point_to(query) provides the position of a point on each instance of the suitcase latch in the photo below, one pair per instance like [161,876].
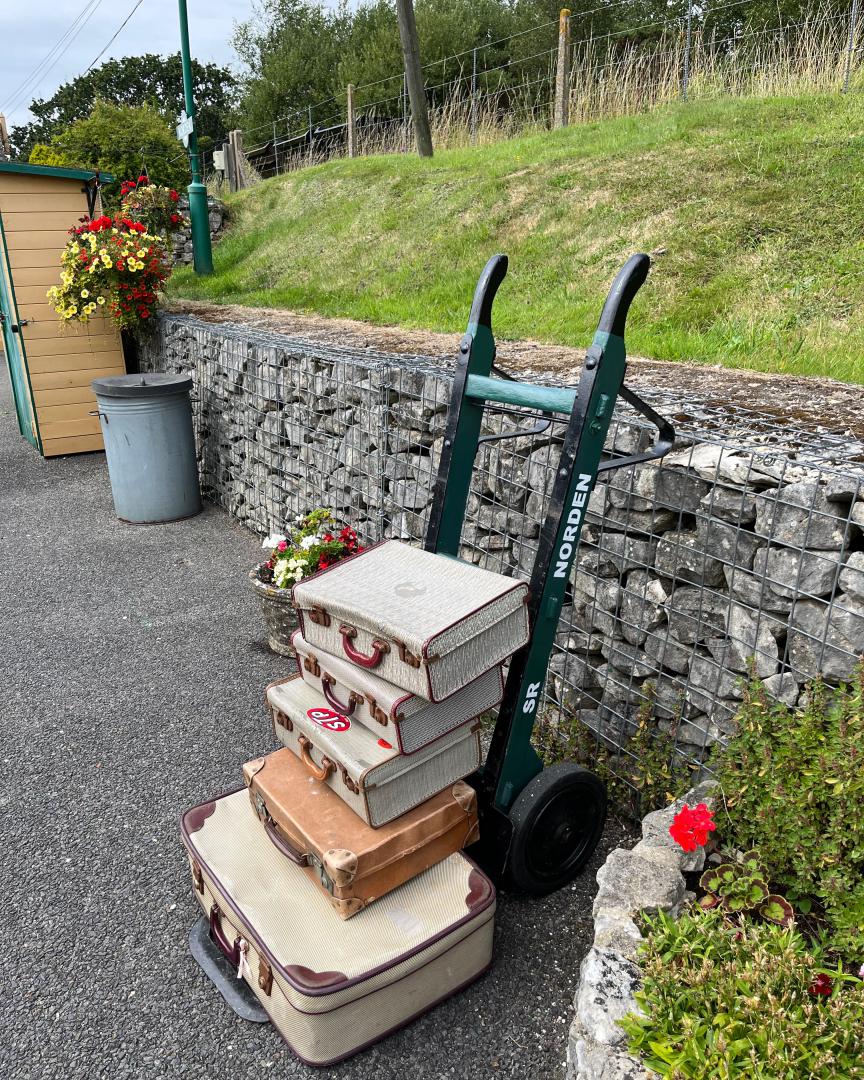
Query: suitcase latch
[319,616]
[265,975]
[377,713]
[312,666]
[198,876]
[282,720]
[406,656]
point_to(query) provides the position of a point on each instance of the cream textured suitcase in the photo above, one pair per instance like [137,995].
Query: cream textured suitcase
[425,622]
[333,987]
[407,721]
[368,773]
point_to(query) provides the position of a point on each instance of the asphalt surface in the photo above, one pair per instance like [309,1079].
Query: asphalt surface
[133,668]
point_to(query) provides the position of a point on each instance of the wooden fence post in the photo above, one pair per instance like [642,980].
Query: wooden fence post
[236,138]
[352,130]
[562,73]
[228,158]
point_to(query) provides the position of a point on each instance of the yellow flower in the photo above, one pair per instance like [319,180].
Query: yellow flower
[140,254]
[85,293]
[100,300]
[108,263]
[103,252]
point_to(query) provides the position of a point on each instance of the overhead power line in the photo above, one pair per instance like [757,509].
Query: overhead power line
[30,83]
[115,35]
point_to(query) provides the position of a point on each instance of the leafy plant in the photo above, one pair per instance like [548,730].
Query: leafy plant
[311,545]
[793,787]
[111,266]
[743,1001]
[152,204]
[741,889]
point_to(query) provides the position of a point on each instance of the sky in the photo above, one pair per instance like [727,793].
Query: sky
[29,30]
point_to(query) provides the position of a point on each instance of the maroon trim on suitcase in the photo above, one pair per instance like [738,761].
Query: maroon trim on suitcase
[199,815]
[478,890]
[322,990]
[312,980]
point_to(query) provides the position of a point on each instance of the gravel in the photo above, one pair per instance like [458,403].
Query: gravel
[134,669]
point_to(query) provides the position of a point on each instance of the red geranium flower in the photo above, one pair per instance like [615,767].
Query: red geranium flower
[821,986]
[174,195]
[691,825]
[323,563]
[143,179]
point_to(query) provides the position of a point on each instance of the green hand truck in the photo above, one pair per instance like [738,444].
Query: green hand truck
[538,827]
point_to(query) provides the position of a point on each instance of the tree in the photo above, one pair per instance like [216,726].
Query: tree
[135,80]
[120,139]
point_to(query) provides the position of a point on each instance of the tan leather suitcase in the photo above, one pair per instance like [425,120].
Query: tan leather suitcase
[352,863]
[425,622]
[407,721]
[368,773]
[332,987]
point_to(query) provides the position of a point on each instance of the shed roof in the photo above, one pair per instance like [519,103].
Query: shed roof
[52,170]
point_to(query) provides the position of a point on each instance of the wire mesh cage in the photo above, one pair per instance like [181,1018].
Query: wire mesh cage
[741,551]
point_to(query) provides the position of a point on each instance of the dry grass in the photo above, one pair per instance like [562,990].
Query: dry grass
[607,82]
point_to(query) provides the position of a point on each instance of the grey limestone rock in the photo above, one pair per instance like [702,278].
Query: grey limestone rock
[801,515]
[682,557]
[607,982]
[827,638]
[629,883]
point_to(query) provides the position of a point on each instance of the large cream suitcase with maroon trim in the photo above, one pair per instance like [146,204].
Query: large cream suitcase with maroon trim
[424,622]
[333,987]
[368,773]
[407,721]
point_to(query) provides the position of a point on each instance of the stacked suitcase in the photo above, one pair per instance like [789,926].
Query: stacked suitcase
[335,881]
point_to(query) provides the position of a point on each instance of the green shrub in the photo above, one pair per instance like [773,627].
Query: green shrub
[726,1001]
[793,791]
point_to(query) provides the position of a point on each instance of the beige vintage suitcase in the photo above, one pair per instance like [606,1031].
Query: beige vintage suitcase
[353,863]
[407,721]
[333,987]
[425,622]
[369,773]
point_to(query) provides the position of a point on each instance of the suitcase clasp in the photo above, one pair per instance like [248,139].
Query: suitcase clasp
[282,720]
[198,876]
[406,656]
[312,666]
[265,975]
[319,616]
[376,711]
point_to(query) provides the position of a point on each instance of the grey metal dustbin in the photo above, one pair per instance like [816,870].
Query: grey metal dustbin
[149,444]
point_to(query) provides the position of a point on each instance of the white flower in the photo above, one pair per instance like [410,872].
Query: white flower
[273,540]
[309,542]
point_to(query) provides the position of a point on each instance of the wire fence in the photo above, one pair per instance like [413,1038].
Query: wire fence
[693,56]
[744,546]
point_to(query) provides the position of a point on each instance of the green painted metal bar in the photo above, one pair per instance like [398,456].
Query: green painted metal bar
[545,398]
[199,217]
[514,756]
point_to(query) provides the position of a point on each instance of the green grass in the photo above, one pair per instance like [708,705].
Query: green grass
[759,206]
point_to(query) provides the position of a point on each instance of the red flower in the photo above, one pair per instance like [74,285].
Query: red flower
[821,986]
[281,546]
[691,825]
[323,563]
[143,179]
[175,218]
[174,195]
[327,538]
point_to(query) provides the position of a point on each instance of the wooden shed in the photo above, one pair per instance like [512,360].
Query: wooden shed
[50,365]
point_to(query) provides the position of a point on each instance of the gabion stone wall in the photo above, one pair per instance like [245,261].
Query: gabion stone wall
[747,541]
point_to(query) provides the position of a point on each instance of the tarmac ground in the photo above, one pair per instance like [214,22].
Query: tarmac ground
[133,669]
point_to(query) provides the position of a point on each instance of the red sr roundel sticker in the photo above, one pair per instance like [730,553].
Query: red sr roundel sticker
[326,718]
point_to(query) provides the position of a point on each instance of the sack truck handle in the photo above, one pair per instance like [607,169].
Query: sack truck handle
[373,659]
[346,710]
[232,953]
[319,772]
[511,761]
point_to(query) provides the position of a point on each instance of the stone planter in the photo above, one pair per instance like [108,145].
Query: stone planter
[280,618]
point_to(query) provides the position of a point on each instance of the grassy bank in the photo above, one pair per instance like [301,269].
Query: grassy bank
[754,208]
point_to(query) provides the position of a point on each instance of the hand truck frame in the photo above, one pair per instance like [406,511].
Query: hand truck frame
[538,826]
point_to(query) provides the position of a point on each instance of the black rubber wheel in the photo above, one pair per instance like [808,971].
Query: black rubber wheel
[557,823]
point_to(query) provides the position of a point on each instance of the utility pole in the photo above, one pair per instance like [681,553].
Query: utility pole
[414,76]
[199,217]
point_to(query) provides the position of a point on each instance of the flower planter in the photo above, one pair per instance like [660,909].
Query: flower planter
[280,617]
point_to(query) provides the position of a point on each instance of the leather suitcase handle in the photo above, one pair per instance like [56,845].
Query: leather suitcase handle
[287,849]
[319,772]
[232,953]
[373,659]
[333,701]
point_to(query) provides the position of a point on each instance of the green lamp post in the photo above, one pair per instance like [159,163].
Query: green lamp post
[199,217]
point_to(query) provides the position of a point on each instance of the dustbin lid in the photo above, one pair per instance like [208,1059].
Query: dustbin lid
[147,384]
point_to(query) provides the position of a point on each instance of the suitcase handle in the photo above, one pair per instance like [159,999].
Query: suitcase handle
[290,852]
[319,772]
[373,659]
[346,710]
[232,953]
